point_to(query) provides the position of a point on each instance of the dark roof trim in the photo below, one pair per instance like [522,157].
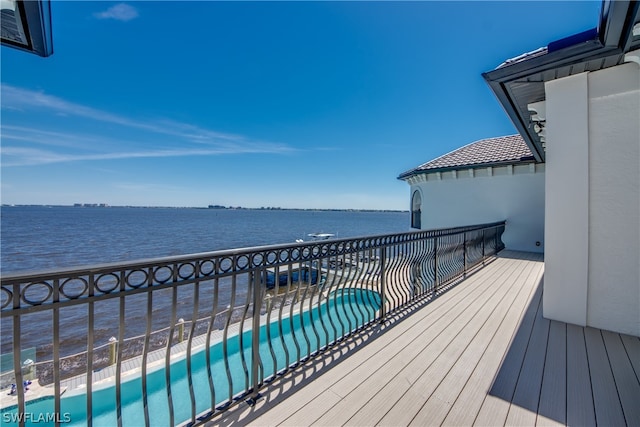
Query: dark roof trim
[616,22]
[568,55]
[573,40]
[29,27]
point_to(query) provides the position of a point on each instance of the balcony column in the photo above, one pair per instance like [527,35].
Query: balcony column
[464,254]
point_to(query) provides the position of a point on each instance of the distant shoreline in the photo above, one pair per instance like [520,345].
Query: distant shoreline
[210,207]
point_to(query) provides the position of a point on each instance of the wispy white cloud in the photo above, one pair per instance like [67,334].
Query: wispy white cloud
[45,137]
[15,98]
[24,99]
[84,141]
[179,139]
[24,156]
[119,12]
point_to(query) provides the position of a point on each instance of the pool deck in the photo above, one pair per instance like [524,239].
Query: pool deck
[480,353]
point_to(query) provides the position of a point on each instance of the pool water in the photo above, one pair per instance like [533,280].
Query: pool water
[291,339]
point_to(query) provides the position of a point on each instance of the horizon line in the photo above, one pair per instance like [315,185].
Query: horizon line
[209,207]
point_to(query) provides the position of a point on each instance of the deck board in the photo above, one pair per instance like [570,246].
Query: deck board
[479,354]
[580,411]
[605,395]
[524,405]
[495,407]
[553,396]
[626,381]
[632,347]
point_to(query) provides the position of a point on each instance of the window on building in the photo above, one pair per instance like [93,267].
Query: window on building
[416,213]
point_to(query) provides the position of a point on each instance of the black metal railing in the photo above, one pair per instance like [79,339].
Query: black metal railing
[183,338]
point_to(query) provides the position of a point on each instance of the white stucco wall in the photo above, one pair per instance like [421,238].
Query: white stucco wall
[514,194]
[592,259]
[614,199]
[567,200]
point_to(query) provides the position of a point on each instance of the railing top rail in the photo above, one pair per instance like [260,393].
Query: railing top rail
[383,239]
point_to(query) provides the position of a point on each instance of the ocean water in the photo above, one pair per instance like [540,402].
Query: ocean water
[42,238]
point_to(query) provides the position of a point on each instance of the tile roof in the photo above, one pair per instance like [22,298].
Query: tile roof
[503,150]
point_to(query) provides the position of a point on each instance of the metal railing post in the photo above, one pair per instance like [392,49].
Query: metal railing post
[383,284]
[464,254]
[17,363]
[255,337]
[436,279]
[483,253]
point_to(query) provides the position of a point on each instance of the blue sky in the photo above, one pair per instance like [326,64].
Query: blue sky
[290,104]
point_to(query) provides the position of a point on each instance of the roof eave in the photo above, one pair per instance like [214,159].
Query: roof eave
[520,124]
[497,79]
[614,37]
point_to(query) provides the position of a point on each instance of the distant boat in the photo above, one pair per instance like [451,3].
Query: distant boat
[317,236]
[321,236]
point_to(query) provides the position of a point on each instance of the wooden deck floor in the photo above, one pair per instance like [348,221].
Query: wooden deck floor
[478,354]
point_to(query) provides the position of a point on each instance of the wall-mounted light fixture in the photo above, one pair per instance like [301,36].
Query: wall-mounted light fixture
[538,120]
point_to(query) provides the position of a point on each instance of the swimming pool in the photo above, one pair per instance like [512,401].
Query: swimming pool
[281,343]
